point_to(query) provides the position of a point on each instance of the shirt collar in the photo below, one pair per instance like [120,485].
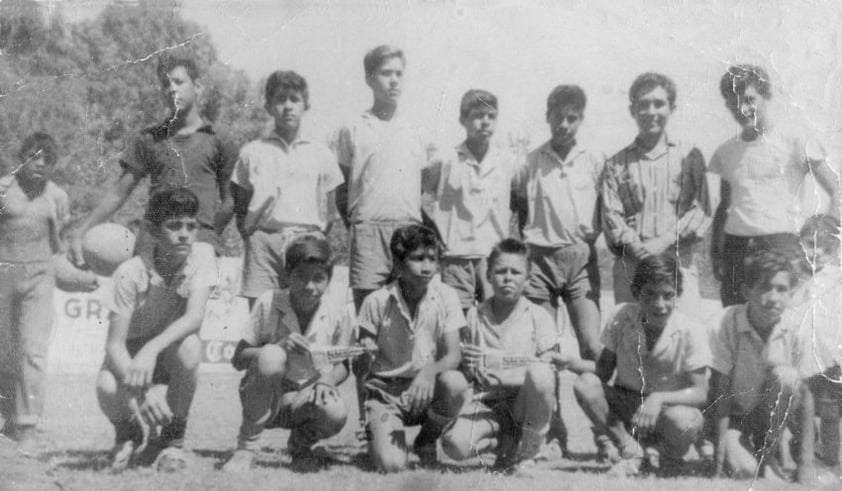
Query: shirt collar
[276,139]
[489,162]
[147,257]
[287,315]
[655,153]
[394,289]
[486,309]
[162,131]
[745,327]
[575,150]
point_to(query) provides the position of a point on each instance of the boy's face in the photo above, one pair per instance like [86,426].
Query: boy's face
[564,122]
[419,266]
[651,110]
[307,283]
[175,236]
[386,82]
[508,276]
[35,169]
[480,123]
[768,300]
[180,91]
[657,301]
[819,254]
[749,108]
[287,108]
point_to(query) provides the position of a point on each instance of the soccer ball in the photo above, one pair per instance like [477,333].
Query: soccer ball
[107,245]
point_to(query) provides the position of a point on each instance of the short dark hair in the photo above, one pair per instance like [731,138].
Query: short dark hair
[655,270]
[761,265]
[738,78]
[171,203]
[38,144]
[650,80]
[407,239]
[309,249]
[168,63]
[281,81]
[567,95]
[508,246]
[476,98]
[824,229]
[377,56]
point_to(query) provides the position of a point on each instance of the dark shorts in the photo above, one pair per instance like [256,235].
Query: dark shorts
[569,273]
[827,387]
[622,403]
[468,277]
[737,248]
[371,261]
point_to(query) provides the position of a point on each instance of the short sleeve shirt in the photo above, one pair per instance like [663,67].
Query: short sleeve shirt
[740,354]
[818,318]
[289,183]
[472,200]
[405,344]
[140,292]
[765,176]
[528,331]
[682,348]
[384,161]
[273,319]
[201,161]
[43,216]
[562,196]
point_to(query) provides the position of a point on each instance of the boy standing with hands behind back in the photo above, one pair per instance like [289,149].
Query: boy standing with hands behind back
[32,211]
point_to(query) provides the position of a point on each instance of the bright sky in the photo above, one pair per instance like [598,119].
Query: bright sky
[521,49]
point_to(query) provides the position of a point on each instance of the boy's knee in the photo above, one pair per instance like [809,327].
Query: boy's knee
[680,427]
[334,416]
[106,384]
[452,384]
[587,387]
[189,353]
[271,361]
[456,444]
[542,378]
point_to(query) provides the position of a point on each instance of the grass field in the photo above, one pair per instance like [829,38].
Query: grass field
[78,439]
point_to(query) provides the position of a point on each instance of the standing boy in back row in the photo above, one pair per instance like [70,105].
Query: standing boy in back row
[654,191]
[472,187]
[762,170]
[382,158]
[280,186]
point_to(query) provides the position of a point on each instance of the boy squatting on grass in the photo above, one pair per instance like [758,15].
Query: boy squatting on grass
[282,388]
[509,412]
[382,157]
[32,211]
[754,383]
[280,186]
[472,186]
[557,194]
[820,349]
[184,150]
[660,358]
[152,350]
[654,192]
[413,324]
[762,170]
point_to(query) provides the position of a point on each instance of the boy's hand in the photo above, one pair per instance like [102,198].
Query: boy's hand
[154,409]
[323,394]
[558,360]
[647,415]
[638,251]
[139,373]
[472,356]
[420,392]
[296,342]
[361,365]
[75,252]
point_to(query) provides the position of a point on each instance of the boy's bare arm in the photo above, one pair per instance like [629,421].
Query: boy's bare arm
[117,356]
[717,247]
[341,197]
[239,199]
[615,218]
[185,325]
[829,181]
[114,198]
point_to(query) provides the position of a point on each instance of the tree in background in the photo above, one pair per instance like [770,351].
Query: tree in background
[92,84]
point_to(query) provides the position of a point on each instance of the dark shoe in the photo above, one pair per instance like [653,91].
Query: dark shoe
[424,445]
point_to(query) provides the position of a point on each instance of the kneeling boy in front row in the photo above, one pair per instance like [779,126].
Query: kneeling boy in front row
[282,387]
[511,408]
[152,351]
[413,324]
[660,358]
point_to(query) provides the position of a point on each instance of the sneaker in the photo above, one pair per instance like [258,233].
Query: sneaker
[706,450]
[606,451]
[121,455]
[525,468]
[29,445]
[171,459]
[626,467]
[241,460]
